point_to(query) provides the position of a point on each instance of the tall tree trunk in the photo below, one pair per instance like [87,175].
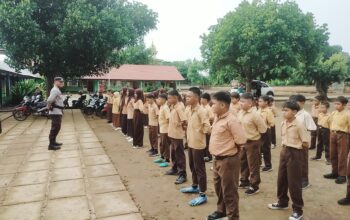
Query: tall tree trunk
[49,83]
[248,84]
[322,89]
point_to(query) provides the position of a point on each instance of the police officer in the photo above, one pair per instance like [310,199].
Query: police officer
[55,105]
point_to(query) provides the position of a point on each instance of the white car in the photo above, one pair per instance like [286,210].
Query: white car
[265,89]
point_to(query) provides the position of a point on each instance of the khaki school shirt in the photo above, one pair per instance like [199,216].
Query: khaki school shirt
[177,116]
[109,99]
[235,108]
[294,134]
[209,111]
[267,116]
[323,120]
[124,109]
[340,121]
[138,105]
[226,134]
[130,108]
[164,115]
[252,123]
[197,126]
[306,119]
[116,105]
[145,109]
[153,113]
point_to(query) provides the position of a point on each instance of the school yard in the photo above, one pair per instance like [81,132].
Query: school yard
[97,175]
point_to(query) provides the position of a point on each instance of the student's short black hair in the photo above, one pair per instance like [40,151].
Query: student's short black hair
[291,105]
[174,93]
[163,96]
[195,90]
[342,100]
[325,103]
[299,98]
[206,96]
[247,95]
[150,96]
[319,98]
[222,97]
[235,95]
[292,98]
[271,99]
[265,98]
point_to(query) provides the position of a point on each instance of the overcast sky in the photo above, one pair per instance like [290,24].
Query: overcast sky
[181,22]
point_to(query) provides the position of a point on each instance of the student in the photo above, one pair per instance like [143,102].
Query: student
[339,140]
[273,128]
[250,155]
[176,134]
[130,114]
[305,118]
[145,114]
[198,126]
[314,113]
[153,112]
[323,132]
[235,107]
[164,145]
[227,137]
[269,120]
[294,138]
[109,105]
[138,120]
[116,111]
[124,115]
[205,99]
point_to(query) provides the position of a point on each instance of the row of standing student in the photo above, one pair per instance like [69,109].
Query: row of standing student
[256,126]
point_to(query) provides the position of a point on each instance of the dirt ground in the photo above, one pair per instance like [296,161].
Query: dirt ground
[159,198]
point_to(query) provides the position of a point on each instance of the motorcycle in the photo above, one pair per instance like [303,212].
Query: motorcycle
[95,105]
[76,104]
[30,106]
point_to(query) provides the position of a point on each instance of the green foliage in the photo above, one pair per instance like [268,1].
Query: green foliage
[25,88]
[263,40]
[72,38]
[137,54]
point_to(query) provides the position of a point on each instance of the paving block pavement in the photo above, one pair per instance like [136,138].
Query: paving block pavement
[77,182]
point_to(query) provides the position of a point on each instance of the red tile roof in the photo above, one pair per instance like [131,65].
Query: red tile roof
[141,73]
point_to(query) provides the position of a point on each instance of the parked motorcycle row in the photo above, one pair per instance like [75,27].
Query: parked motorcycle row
[37,107]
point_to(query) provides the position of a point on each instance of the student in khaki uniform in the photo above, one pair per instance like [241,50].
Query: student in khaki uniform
[323,133]
[198,126]
[227,137]
[235,107]
[145,113]
[116,111]
[205,99]
[314,113]
[124,115]
[273,128]
[250,155]
[306,119]
[268,118]
[153,113]
[130,114]
[138,120]
[339,140]
[164,145]
[294,138]
[109,105]
[176,133]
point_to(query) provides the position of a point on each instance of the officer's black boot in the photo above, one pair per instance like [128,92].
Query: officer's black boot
[52,145]
[56,143]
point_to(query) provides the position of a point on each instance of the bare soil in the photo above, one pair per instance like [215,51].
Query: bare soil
[159,198]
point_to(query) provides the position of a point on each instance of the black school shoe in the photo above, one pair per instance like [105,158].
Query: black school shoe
[171,172]
[340,180]
[345,201]
[276,206]
[315,158]
[244,185]
[331,176]
[266,169]
[216,215]
[251,191]
[296,216]
[180,180]
[154,153]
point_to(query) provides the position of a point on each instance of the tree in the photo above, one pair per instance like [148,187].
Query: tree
[137,54]
[263,40]
[334,69]
[70,38]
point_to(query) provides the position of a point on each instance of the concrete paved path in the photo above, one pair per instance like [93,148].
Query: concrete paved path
[77,182]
